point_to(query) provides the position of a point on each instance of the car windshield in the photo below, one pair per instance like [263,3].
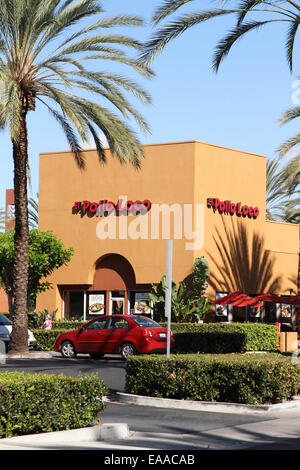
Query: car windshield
[4,320]
[146,322]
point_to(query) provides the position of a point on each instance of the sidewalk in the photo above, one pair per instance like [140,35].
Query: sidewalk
[282,432]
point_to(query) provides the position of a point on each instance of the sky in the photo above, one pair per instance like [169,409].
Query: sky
[238,107]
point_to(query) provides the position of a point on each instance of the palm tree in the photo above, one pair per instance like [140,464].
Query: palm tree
[33,212]
[275,11]
[281,205]
[50,54]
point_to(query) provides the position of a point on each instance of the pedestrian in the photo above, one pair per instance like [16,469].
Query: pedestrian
[47,325]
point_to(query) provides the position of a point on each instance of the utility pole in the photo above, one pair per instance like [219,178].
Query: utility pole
[168,294]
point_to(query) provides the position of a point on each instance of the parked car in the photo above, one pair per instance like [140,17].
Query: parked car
[5,332]
[114,334]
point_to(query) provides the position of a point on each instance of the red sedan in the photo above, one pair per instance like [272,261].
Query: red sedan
[115,334]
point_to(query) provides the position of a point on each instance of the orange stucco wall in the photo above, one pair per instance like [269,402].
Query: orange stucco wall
[251,254]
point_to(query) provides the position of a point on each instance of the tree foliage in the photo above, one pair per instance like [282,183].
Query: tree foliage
[261,12]
[188,304]
[46,254]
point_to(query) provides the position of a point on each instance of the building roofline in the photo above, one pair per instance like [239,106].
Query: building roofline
[164,144]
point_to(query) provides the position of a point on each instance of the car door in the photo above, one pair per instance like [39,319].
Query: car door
[117,329]
[92,337]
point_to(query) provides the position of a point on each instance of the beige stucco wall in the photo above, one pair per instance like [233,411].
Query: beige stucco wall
[184,173]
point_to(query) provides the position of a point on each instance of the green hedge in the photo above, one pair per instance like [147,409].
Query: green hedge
[213,342]
[233,378]
[193,338]
[35,403]
[45,339]
[254,336]
[67,324]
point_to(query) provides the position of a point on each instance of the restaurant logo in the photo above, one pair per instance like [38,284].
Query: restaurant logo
[231,208]
[105,207]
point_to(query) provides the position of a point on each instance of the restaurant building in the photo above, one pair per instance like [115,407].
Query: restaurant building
[209,199]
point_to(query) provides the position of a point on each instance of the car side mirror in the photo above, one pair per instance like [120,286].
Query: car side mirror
[80,331]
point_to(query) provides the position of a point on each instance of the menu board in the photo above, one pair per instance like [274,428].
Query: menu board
[221,310]
[286,311]
[142,303]
[96,304]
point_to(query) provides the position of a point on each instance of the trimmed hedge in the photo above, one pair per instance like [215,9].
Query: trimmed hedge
[67,324]
[193,338]
[232,378]
[45,339]
[35,403]
[257,337]
[210,342]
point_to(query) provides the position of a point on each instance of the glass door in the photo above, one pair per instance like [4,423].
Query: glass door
[117,302]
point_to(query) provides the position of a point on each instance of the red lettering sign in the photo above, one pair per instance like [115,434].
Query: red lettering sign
[105,207]
[228,207]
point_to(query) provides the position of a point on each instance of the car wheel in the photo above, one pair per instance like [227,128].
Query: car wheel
[127,349]
[96,355]
[67,349]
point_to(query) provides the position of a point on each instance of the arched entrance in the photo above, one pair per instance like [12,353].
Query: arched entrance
[114,291]
[114,278]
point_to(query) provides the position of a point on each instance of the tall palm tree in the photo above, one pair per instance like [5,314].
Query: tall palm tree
[272,11]
[51,53]
[281,204]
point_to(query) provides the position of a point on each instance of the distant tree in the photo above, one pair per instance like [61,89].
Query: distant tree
[46,254]
[281,203]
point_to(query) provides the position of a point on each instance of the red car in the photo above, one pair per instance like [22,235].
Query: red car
[115,334]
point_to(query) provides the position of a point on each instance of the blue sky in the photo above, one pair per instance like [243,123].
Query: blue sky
[239,107]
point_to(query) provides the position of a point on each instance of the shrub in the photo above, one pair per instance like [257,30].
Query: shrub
[214,342]
[258,336]
[34,403]
[45,339]
[233,378]
[67,324]
[192,337]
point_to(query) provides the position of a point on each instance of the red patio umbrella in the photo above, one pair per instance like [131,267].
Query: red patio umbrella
[247,301]
[276,299]
[227,299]
[294,300]
[238,299]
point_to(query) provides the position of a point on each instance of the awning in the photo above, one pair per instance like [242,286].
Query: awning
[276,299]
[238,299]
[228,298]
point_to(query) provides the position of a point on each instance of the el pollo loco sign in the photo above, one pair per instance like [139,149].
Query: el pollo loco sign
[105,207]
[231,208]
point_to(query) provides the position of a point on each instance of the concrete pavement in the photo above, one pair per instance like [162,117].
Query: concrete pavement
[281,432]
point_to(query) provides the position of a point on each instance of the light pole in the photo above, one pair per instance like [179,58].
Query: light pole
[168,293]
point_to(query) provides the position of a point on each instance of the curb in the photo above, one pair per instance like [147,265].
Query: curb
[100,432]
[29,355]
[216,407]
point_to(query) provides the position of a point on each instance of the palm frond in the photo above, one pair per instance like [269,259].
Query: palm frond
[170,31]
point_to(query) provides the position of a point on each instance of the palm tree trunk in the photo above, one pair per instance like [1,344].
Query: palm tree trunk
[19,336]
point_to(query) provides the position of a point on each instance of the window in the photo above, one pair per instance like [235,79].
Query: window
[222,311]
[4,320]
[99,324]
[145,322]
[118,323]
[76,305]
